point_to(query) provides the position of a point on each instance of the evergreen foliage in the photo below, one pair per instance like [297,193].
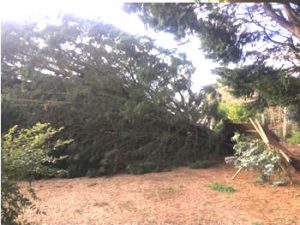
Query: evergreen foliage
[122,98]
[275,87]
[141,168]
[202,164]
[259,43]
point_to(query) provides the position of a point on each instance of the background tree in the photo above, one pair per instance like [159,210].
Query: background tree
[250,38]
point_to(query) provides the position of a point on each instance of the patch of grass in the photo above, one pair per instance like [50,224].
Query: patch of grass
[222,188]
[200,164]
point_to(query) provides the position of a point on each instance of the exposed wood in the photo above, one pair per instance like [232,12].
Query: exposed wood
[285,166]
[271,140]
[292,15]
[293,150]
[262,132]
[282,150]
[237,172]
[290,150]
[284,125]
[259,130]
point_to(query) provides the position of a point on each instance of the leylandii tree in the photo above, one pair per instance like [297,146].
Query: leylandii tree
[121,97]
[256,44]
[259,41]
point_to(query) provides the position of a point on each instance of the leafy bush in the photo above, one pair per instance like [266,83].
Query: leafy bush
[141,168]
[25,154]
[202,164]
[236,112]
[295,138]
[13,202]
[222,188]
[253,154]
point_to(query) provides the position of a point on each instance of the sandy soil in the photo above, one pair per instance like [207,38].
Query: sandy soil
[181,196]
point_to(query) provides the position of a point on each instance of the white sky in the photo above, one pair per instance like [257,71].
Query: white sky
[109,12]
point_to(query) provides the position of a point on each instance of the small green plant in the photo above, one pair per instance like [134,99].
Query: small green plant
[201,164]
[25,154]
[141,168]
[295,138]
[222,188]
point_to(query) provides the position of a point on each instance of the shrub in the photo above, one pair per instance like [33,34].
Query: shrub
[13,202]
[253,154]
[222,188]
[141,168]
[236,112]
[295,138]
[201,164]
[25,154]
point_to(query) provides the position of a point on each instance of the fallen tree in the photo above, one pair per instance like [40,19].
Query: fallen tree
[267,155]
[121,98]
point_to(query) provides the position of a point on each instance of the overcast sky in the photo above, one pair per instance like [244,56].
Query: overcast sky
[109,12]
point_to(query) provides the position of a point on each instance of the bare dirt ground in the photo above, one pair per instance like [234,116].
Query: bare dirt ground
[178,197]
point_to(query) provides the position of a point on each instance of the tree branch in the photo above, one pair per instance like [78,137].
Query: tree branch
[294,29]
[290,45]
[291,14]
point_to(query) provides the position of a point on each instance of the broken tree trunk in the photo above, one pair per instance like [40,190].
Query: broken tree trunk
[273,144]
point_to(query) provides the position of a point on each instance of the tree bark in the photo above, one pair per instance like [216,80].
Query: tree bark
[292,15]
[290,26]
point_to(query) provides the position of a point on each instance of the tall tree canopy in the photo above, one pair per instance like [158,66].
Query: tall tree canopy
[257,41]
[121,98]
